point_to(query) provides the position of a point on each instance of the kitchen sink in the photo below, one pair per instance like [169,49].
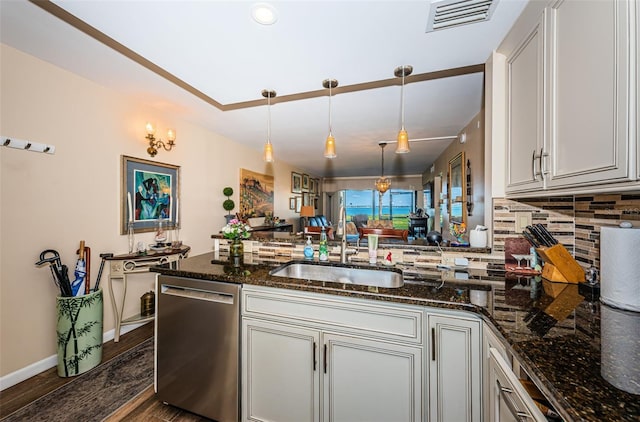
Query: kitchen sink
[340,274]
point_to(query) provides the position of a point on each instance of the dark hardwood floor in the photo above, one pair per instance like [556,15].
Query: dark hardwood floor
[145,407]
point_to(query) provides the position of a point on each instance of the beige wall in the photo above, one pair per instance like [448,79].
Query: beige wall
[54,201]
[474,150]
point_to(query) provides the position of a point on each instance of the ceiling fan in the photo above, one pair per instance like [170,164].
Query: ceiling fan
[435,138]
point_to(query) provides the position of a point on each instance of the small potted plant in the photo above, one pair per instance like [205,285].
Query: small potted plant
[228,203]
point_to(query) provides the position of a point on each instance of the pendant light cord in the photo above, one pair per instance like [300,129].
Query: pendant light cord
[382,165]
[269,117]
[402,94]
[330,83]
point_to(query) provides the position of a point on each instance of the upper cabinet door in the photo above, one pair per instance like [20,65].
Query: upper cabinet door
[588,91]
[525,71]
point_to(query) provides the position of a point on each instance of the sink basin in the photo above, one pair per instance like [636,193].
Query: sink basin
[339,274]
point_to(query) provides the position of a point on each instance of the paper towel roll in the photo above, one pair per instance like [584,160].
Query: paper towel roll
[620,267]
[620,348]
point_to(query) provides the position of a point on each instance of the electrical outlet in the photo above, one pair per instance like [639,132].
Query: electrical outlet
[523,219]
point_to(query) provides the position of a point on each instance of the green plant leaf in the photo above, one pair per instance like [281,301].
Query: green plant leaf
[228,204]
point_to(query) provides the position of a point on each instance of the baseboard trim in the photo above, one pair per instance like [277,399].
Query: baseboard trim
[49,362]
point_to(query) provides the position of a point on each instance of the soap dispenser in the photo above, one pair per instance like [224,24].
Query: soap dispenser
[308,249]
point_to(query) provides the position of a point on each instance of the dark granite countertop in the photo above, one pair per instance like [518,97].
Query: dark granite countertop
[552,329]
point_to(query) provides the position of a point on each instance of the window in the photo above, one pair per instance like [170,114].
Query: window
[397,204]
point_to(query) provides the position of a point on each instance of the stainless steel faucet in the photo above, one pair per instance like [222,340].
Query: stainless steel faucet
[342,232]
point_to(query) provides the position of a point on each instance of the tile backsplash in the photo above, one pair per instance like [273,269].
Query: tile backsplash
[574,220]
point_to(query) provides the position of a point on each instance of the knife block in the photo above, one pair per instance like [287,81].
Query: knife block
[559,265]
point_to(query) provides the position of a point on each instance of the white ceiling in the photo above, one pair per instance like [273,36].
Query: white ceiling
[219,51]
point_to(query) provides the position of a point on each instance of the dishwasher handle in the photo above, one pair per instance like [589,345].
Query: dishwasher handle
[198,294]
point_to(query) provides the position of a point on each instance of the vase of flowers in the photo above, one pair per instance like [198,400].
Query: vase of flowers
[458,231]
[235,230]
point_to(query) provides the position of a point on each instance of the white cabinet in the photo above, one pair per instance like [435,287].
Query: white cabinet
[589,92]
[489,341]
[508,400]
[370,380]
[281,380]
[525,142]
[454,368]
[310,357]
[571,108]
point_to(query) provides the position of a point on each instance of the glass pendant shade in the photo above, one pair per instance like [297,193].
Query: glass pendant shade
[268,152]
[330,143]
[268,146]
[330,147]
[403,137]
[403,142]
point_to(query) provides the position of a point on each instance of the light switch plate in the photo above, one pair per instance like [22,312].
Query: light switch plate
[523,219]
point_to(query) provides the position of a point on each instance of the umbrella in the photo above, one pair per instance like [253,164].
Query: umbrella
[77,285]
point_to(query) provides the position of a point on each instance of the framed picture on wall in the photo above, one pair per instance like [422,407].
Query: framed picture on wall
[305,183]
[312,186]
[149,193]
[292,203]
[298,203]
[306,199]
[296,182]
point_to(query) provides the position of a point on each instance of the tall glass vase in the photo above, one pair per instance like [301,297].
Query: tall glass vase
[130,236]
[236,248]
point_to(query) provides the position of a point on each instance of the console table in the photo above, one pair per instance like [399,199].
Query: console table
[120,266]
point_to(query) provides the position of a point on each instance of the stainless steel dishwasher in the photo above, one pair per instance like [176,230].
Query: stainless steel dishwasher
[197,346]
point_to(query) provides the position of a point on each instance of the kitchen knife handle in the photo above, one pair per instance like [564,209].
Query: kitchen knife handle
[548,234]
[530,239]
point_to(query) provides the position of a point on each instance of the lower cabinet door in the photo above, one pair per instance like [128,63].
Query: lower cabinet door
[454,369]
[280,372]
[508,401]
[369,380]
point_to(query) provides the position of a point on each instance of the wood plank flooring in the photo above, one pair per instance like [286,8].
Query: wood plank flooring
[144,407]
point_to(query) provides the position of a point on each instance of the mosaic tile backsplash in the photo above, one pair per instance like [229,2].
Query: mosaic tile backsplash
[574,220]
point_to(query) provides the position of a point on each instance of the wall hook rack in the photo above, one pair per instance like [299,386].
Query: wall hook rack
[27,145]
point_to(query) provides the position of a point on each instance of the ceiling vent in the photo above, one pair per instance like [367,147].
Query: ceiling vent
[449,13]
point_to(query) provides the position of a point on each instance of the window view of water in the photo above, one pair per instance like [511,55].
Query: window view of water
[397,204]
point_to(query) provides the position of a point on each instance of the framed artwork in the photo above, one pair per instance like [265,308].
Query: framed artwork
[256,194]
[306,199]
[296,182]
[312,186]
[298,203]
[292,203]
[315,203]
[305,183]
[149,193]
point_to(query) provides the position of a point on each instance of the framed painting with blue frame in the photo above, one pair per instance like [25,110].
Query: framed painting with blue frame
[154,189]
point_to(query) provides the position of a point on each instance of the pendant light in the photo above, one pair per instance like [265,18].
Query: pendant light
[268,147]
[403,137]
[383,183]
[330,144]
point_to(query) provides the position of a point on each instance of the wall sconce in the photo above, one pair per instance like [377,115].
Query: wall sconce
[154,143]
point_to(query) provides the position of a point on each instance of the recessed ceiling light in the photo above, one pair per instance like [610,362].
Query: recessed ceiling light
[264,14]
